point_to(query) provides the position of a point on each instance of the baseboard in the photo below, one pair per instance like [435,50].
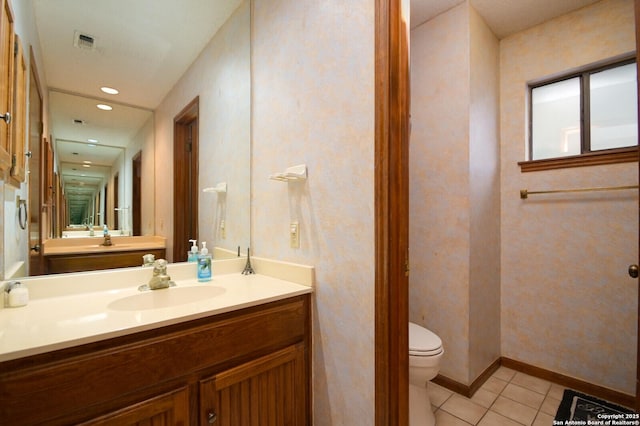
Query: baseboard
[467,390]
[571,382]
[601,392]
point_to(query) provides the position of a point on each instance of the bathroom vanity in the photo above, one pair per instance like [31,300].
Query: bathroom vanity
[232,351]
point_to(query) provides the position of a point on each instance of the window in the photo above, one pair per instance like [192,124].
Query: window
[593,111]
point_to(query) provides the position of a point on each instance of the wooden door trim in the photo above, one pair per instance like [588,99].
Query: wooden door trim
[36,262]
[188,114]
[136,194]
[637,399]
[391,215]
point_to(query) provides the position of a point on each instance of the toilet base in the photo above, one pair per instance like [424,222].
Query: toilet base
[420,412]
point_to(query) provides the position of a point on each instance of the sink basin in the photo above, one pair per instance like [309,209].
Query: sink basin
[165,298]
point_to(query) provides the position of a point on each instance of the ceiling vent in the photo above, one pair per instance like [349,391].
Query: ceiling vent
[84,41]
[78,121]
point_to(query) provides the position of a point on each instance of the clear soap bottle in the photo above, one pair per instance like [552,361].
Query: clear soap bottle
[192,255]
[204,264]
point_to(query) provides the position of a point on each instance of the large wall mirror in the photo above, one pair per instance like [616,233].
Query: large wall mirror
[110,163]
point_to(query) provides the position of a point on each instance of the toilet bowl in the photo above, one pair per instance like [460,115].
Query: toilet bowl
[425,352]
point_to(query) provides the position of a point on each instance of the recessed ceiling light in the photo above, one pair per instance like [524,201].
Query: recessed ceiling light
[109,90]
[87,162]
[92,140]
[104,107]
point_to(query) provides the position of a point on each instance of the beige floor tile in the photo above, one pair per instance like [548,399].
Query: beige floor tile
[550,405]
[514,410]
[543,419]
[524,396]
[484,397]
[493,384]
[494,419]
[464,409]
[504,373]
[531,383]
[437,394]
[556,391]
[445,419]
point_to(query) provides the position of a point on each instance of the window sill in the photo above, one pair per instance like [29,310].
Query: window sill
[620,155]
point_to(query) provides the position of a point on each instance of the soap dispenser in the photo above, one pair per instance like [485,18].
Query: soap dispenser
[16,295]
[204,264]
[192,255]
[105,230]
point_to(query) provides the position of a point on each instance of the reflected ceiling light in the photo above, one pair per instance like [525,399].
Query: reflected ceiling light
[109,90]
[104,107]
[86,165]
[90,145]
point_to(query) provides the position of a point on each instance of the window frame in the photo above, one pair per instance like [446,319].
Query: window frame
[587,157]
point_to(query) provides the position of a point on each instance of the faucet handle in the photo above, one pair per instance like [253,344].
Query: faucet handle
[148,259]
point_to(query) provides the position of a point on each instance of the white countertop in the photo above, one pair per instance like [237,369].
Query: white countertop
[50,322]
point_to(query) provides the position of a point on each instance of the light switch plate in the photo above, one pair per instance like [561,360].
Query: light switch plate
[294,234]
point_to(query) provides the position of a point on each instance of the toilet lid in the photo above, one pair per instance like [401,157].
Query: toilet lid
[423,342]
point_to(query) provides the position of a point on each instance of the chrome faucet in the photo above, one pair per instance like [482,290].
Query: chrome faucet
[160,279]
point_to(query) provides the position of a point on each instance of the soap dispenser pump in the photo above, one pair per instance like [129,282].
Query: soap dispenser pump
[204,264]
[192,255]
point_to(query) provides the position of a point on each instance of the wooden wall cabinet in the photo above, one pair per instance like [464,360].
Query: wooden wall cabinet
[17,174]
[245,367]
[6,84]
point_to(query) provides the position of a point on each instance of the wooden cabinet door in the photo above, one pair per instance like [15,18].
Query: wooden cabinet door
[170,409]
[19,118]
[267,391]
[6,82]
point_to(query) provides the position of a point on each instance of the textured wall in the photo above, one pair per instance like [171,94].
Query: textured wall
[220,77]
[313,103]
[484,186]
[143,141]
[439,185]
[567,302]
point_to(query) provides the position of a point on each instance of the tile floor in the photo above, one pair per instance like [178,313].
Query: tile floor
[507,398]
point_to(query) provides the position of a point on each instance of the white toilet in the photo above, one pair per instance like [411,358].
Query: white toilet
[425,352]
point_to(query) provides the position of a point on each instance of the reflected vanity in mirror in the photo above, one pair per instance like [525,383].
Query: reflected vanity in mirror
[113,166]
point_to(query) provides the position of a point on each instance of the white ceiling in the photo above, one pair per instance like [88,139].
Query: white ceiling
[142,46]
[504,17]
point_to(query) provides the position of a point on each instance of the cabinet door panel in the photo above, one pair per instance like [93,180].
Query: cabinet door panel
[19,119]
[6,82]
[260,392]
[170,409]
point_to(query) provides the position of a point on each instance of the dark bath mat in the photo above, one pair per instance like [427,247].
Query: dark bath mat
[584,408]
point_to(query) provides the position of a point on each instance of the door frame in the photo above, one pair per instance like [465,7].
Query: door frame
[185,180]
[637,13]
[36,164]
[392,102]
[136,194]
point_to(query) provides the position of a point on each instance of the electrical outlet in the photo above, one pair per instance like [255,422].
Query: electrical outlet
[294,235]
